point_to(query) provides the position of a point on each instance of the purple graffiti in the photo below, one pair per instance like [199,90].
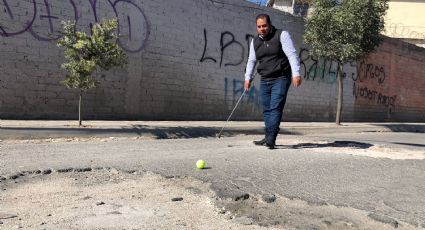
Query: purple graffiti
[5,33]
[124,10]
[8,9]
[134,44]
[93,6]
[48,16]
[51,34]
[129,28]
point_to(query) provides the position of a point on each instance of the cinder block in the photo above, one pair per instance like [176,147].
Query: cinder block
[175,69]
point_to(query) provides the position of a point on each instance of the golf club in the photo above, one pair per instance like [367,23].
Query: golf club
[237,103]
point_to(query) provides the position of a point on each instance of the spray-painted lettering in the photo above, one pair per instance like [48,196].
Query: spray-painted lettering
[374,96]
[237,88]
[370,71]
[227,41]
[313,69]
[133,23]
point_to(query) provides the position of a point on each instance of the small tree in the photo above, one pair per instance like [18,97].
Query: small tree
[85,54]
[345,31]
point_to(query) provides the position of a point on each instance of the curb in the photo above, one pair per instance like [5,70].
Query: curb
[33,130]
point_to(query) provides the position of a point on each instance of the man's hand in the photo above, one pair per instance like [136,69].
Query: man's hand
[296,81]
[247,85]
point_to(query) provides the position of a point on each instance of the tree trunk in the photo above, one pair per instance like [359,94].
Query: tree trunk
[340,72]
[79,109]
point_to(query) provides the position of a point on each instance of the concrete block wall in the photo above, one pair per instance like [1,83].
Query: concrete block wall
[187,61]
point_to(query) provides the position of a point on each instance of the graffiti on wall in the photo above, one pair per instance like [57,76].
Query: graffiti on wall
[43,23]
[373,96]
[228,44]
[236,87]
[313,69]
[370,71]
[369,77]
[400,30]
[227,41]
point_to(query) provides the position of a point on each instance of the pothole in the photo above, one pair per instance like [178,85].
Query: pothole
[353,148]
[298,214]
[109,199]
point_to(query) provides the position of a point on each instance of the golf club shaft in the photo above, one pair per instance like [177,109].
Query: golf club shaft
[227,121]
[219,135]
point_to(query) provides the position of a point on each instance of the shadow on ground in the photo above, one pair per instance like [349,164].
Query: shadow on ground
[409,144]
[410,128]
[338,144]
[133,131]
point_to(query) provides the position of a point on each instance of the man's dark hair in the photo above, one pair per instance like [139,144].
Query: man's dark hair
[266,16]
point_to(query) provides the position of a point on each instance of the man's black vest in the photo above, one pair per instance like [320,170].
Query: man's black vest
[272,61]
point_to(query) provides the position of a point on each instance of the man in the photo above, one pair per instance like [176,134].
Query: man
[278,67]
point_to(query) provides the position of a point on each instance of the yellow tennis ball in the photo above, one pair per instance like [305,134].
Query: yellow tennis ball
[200,164]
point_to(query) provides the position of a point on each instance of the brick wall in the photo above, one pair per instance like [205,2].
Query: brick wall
[187,61]
[390,83]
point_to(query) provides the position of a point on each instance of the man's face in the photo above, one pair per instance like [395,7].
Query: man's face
[263,28]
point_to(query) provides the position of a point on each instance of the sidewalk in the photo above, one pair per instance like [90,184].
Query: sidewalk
[44,129]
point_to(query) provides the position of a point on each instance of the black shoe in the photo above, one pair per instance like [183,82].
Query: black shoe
[260,142]
[270,145]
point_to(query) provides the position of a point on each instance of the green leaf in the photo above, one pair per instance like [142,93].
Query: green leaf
[84,54]
[345,31]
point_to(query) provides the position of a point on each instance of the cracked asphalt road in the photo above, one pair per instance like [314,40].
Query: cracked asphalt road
[318,172]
